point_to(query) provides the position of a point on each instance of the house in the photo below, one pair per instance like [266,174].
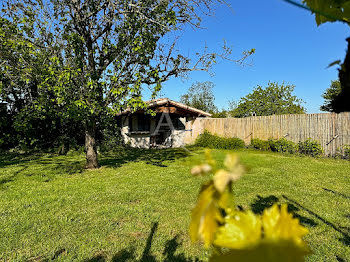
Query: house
[169,126]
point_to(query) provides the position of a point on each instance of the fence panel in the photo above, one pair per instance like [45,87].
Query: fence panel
[330,129]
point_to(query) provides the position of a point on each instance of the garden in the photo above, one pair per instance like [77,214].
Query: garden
[137,206]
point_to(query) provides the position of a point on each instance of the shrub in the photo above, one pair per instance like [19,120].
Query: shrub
[347,152]
[111,140]
[260,144]
[310,147]
[283,146]
[343,152]
[276,145]
[213,141]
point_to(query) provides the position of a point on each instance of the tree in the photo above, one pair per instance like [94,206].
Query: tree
[36,120]
[200,95]
[333,11]
[100,54]
[274,99]
[223,113]
[331,93]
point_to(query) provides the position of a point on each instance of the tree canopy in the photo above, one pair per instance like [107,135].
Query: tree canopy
[92,58]
[200,95]
[273,99]
[331,93]
[329,10]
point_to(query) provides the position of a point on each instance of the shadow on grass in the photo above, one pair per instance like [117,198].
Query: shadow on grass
[129,254]
[47,166]
[61,166]
[44,167]
[12,177]
[342,230]
[155,157]
[9,158]
[336,193]
[339,259]
[261,203]
[24,160]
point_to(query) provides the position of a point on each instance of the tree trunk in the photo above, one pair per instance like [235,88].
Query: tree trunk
[90,146]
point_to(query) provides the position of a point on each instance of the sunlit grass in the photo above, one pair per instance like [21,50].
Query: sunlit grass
[137,205]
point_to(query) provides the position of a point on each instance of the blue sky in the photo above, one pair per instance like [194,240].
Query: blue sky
[289,47]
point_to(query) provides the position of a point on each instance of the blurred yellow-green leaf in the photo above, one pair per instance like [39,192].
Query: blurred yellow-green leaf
[280,225]
[205,216]
[282,251]
[241,230]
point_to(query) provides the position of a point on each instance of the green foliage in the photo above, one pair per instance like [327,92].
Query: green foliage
[7,134]
[220,114]
[37,119]
[276,145]
[340,103]
[310,147]
[346,153]
[110,138]
[329,10]
[343,152]
[200,95]
[273,99]
[331,93]
[259,144]
[208,140]
[91,59]
[45,127]
[283,145]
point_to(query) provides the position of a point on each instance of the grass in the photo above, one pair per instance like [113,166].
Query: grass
[137,206]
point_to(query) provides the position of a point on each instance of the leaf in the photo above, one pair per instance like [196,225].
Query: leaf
[328,10]
[280,225]
[209,159]
[223,178]
[206,215]
[201,170]
[283,251]
[241,230]
[346,11]
[337,62]
[232,163]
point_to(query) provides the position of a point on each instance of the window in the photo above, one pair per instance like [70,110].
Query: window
[143,122]
[178,125]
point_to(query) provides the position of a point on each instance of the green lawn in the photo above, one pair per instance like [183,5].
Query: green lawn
[137,206]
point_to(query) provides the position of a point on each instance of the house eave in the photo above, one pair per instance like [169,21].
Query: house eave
[168,102]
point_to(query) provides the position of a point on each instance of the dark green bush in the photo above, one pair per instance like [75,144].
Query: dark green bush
[213,141]
[283,146]
[276,145]
[310,147]
[343,152]
[257,143]
[347,152]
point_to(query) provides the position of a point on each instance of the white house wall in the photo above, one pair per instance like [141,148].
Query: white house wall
[178,138]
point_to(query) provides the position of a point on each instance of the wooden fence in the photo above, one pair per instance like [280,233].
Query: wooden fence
[331,130]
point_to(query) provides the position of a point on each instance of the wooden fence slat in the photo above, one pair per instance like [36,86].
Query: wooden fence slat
[321,127]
